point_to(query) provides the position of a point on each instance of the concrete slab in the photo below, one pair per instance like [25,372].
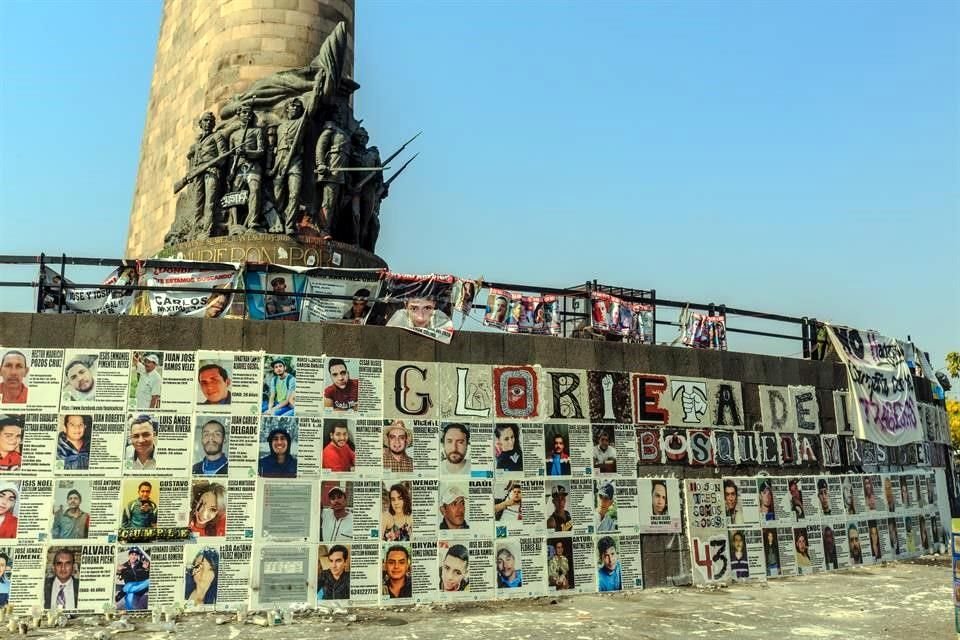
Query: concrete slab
[15,329]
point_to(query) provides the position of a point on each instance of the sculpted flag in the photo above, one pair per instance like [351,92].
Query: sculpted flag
[883,406]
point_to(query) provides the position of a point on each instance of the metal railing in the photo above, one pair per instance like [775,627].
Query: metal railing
[570,297]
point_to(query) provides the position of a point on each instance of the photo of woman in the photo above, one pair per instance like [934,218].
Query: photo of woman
[208,518]
[201,577]
[506,447]
[397,519]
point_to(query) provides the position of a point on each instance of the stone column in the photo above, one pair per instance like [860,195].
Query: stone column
[209,50]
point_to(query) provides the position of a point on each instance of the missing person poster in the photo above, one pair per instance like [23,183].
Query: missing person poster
[659,505]
[30,380]
[498,305]
[617,506]
[28,509]
[229,382]
[94,379]
[741,501]
[38,435]
[420,304]
[91,442]
[747,554]
[348,295]
[283,300]
[162,380]
[158,443]
[353,387]
[217,575]
[282,575]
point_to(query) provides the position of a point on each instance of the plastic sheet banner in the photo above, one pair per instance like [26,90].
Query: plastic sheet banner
[610,314]
[281,303]
[198,304]
[500,304]
[883,405]
[420,304]
[88,300]
[363,286]
[705,332]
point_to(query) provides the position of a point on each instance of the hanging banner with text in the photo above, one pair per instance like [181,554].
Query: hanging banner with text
[881,389]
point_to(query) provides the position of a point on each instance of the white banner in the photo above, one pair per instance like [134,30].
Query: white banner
[884,409]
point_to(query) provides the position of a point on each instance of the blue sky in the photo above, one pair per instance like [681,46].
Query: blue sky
[794,157]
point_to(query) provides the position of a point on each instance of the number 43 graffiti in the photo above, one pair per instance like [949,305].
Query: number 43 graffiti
[711,555]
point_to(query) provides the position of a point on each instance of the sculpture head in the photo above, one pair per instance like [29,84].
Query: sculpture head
[207,122]
[294,108]
[246,116]
[361,137]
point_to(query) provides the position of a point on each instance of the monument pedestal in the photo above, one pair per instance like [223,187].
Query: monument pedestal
[303,250]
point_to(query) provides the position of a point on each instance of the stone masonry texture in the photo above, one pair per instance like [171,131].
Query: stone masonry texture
[209,50]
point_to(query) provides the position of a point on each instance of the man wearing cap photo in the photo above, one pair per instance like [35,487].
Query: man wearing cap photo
[11,441]
[453,507]
[396,438]
[9,494]
[13,371]
[606,508]
[336,519]
[281,387]
[560,519]
[454,442]
[280,303]
[149,382]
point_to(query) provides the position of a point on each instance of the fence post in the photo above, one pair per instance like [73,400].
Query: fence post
[63,269]
[41,282]
[653,335]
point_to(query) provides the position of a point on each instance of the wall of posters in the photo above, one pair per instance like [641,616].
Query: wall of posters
[135,479]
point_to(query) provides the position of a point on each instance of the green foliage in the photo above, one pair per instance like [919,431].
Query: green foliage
[953,364]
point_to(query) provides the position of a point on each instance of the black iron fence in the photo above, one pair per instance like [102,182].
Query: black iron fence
[574,307]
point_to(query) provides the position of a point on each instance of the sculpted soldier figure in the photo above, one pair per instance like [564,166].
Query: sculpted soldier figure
[287,166]
[333,147]
[209,146]
[248,144]
[287,171]
[367,190]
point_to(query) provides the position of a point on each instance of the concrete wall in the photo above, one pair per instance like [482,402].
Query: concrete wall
[207,51]
[666,557]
